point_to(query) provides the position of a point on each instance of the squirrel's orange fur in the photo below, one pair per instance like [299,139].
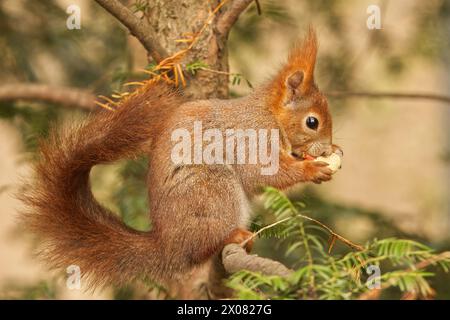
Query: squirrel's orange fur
[194,209]
[301,57]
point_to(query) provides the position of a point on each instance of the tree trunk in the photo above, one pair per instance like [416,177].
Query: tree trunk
[176,19]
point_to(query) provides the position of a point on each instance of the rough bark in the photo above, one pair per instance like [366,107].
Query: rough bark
[175,19]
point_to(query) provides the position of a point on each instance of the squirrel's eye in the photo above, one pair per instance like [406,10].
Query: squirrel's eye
[312,123]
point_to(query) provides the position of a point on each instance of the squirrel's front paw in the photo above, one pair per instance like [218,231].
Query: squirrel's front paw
[238,236]
[316,171]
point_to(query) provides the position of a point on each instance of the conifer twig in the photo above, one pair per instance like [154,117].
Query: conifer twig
[255,234]
[375,293]
[334,234]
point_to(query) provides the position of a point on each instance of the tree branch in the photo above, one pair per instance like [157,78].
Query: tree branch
[235,258]
[41,92]
[137,27]
[390,95]
[229,17]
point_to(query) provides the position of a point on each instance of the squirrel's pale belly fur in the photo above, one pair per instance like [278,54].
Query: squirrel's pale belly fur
[195,209]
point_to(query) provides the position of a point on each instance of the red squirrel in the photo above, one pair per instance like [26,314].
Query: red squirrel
[195,209]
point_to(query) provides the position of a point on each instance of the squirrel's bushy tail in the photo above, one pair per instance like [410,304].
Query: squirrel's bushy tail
[61,210]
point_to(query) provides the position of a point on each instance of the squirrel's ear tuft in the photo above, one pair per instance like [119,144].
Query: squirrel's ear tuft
[296,78]
[303,58]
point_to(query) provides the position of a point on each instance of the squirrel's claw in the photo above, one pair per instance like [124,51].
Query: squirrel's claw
[238,236]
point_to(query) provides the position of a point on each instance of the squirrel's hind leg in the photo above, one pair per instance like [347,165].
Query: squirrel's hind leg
[204,207]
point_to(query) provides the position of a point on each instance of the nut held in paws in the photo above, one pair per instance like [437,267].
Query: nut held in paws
[334,161]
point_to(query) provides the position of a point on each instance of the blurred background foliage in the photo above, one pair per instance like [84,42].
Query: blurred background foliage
[35,46]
